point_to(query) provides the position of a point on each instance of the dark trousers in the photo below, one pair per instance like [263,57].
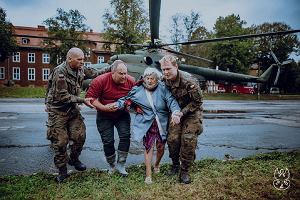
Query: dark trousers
[106,126]
[62,129]
[182,139]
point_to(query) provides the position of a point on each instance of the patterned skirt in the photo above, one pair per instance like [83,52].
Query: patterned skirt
[151,136]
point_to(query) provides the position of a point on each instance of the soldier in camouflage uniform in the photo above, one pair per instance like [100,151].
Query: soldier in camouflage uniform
[182,138]
[65,123]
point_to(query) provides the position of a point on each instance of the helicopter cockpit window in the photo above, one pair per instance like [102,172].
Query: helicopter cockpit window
[148,60]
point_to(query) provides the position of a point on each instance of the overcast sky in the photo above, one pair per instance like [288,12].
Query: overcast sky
[34,12]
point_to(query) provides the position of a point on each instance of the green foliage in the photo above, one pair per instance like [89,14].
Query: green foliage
[176,30]
[212,179]
[68,28]
[189,27]
[289,78]
[281,45]
[7,43]
[127,22]
[236,56]
[39,92]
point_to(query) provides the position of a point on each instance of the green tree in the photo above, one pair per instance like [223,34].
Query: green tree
[191,23]
[127,23]
[68,28]
[189,27]
[281,45]
[200,50]
[7,43]
[233,55]
[176,30]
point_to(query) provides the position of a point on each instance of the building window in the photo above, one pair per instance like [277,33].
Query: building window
[25,40]
[16,73]
[31,57]
[2,72]
[31,74]
[100,59]
[16,57]
[46,72]
[46,58]
[86,64]
[58,60]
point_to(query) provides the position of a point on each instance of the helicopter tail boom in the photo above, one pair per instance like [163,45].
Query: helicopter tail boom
[212,74]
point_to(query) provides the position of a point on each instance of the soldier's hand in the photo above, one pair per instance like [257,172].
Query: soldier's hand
[87,102]
[111,107]
[175,118]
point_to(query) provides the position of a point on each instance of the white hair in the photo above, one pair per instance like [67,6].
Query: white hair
[150,70]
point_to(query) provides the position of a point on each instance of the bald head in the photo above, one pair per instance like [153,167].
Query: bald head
[75,58]
[74,52]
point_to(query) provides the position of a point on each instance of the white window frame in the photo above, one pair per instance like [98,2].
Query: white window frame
[46,73]
[100,59]
[2,72]
[16,73]
[31,57]
[87,64]
[46,58]
[31,74]
[16,57]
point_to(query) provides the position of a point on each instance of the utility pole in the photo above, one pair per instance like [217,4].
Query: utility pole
[258,84]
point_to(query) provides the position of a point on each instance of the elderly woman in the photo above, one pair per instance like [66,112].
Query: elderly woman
[153,104]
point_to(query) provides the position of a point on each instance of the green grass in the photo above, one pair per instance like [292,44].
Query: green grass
[39,92]
[22,92]
[249,178]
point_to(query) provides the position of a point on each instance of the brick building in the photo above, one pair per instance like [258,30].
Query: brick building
[30,65]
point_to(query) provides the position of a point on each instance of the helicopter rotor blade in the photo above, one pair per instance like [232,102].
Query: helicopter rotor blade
[275,58]
[233,38]
[188,55]
[154,14]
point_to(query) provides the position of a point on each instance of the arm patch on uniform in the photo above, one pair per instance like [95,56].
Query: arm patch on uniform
[62,83]
[195,92]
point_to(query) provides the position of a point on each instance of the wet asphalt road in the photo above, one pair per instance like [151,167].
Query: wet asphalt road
[237,128]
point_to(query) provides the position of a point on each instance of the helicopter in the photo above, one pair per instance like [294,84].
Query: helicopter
[150,54]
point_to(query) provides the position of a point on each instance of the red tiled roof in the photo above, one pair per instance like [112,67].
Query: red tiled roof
[42,31]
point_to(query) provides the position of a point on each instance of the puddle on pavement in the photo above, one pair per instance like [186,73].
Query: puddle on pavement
[224,111]
[224,114]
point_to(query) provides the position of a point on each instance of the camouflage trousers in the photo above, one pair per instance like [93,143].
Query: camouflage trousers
[182,139]
[64,129]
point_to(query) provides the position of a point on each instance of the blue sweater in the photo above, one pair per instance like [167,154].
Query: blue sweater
[164,103]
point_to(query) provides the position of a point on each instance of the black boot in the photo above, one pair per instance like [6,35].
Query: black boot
[173,170]
[62,174]
[77,164]
[184,177]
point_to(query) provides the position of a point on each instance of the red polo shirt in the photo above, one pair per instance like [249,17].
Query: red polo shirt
[107,91]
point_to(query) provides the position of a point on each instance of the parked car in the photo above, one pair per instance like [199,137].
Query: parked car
[274,90]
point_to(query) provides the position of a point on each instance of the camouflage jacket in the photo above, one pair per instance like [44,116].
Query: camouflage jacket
[187,92]
[64,86]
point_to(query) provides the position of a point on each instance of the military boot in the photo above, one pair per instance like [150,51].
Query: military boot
[174,167]
[111,160]
[62,174]
[120,167]
[184,177]
[77,164]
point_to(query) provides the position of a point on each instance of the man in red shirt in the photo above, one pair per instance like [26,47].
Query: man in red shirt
[105,90]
